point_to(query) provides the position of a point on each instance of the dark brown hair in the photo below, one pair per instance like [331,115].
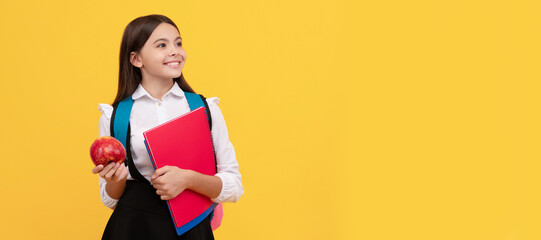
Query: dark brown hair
[135,36]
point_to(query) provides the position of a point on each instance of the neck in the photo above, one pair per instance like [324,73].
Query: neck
[157,88]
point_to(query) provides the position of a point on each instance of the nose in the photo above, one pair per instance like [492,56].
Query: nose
[174,53]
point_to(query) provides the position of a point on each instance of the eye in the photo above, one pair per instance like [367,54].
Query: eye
[161,45]
[179,44]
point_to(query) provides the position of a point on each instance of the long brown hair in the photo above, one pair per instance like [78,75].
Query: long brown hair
[135,36]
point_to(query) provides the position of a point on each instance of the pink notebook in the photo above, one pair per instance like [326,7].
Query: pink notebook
[184,142]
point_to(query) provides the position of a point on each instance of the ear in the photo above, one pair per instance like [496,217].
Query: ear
[135,61]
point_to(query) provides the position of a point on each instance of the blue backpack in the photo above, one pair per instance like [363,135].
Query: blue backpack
[120,129]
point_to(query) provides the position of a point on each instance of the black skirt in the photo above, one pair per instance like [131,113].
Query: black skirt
[141,214]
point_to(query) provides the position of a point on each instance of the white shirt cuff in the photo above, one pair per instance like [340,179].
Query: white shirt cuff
[231,190]
[105,198]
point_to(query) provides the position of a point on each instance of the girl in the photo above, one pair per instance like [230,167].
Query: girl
[151,62]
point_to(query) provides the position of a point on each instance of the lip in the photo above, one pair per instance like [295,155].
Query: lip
[173,64]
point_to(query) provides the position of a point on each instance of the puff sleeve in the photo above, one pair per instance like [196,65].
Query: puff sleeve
[228,167]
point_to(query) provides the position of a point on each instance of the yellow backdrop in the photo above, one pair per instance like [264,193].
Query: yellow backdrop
[351,119]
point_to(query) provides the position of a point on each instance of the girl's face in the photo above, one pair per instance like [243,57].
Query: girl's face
[162,57]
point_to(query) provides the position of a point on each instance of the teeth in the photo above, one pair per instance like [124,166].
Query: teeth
[173,63]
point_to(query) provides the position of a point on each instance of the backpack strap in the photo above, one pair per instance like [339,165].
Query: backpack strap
[121,120]
[197,100]
[121,129]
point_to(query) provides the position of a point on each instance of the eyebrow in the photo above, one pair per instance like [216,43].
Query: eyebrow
[165,39]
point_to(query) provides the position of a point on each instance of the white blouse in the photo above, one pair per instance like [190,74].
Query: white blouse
[148,112]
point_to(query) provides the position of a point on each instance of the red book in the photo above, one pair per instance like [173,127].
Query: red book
[184,142]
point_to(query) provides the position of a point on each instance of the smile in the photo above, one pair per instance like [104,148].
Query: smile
[174,64]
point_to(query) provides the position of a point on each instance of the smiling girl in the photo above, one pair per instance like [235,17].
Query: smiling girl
[151,62]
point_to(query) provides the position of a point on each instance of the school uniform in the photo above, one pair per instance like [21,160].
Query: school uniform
[140,213]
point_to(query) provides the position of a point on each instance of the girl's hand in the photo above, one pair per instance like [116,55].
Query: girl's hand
[113,172]
[170,181]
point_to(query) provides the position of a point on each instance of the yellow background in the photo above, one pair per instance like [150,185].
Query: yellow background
[351,119]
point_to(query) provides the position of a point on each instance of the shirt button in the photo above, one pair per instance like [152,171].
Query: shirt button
[159,104]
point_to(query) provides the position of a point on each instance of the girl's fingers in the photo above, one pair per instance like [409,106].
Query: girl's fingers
[160,171]
[97,169]
[112,171]
[109,175]
[105,170]
[157,186]
[121,172]
[165,197]
[109,166]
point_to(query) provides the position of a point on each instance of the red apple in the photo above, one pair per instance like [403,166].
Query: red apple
[106,149]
